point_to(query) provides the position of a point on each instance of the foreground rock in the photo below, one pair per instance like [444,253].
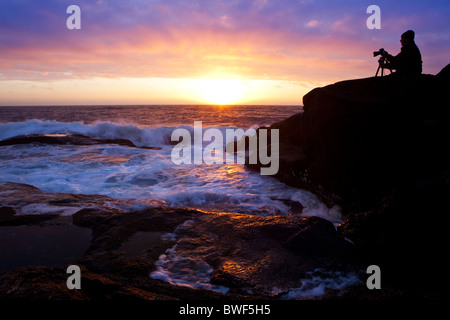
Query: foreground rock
[253,256]
[47,283]
[29,201]
[264,255]
[406,235]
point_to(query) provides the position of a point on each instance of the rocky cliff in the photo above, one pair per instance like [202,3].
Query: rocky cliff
[358,140]
[380,148]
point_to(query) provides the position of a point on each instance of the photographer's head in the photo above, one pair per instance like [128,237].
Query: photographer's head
[407,37]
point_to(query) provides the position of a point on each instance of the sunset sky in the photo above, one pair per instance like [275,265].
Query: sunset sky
[202,51]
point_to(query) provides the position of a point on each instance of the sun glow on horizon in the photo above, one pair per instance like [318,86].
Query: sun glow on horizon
[221,91]
[125,91]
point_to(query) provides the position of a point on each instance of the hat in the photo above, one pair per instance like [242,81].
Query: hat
[409,35]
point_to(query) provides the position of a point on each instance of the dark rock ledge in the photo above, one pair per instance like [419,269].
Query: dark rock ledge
[251,255]
[357,140]
[70,139]
[380,149]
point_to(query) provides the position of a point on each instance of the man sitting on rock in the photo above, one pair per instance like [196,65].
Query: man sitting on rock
[409,60]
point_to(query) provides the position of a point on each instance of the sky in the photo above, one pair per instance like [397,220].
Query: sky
[203,51]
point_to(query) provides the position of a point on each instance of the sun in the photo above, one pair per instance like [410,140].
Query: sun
[221,91]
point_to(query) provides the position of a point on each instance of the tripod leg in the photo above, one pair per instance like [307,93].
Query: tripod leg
[376,74]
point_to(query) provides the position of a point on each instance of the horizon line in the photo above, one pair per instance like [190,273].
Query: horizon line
[148,105]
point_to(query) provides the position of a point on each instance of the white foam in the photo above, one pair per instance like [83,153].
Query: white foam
[186,267]
[148,176]
[188,271]
[169,236]
[141,136]
[43,208]
[318,281]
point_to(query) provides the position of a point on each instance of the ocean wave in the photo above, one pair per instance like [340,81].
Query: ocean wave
[140,136]
[318,281]
[132,173]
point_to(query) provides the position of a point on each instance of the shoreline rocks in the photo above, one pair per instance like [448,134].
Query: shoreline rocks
[69,139]
[248,253]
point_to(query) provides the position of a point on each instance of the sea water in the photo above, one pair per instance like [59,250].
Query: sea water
[145,176]
[140,174]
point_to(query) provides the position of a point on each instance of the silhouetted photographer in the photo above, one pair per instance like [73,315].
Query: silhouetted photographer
[407,62]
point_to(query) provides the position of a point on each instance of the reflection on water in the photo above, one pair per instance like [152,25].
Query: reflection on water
[47,245]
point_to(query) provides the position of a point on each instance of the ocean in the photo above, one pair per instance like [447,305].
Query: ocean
[148,177]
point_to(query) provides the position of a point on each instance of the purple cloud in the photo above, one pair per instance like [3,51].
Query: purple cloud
[279,39]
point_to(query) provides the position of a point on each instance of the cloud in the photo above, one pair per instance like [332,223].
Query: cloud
[312,24]
[260,39]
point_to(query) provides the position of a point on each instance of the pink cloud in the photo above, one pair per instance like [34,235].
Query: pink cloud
[187,39]
[184,53]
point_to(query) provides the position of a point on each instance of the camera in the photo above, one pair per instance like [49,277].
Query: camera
[383,62]
[381,51]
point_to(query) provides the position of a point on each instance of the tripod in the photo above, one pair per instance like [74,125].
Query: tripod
[382,62]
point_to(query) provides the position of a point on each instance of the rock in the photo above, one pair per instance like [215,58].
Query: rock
[406,235]
[72,139]
[378,147]
[264,255]
[111,230]
[6,213]
[295,207]
[444,74]
[28,200]
[245,251]
[254,256]
[357,140]
[318,238]
[46,283]
[8,217]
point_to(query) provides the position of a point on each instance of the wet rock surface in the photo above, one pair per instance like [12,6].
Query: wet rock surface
[72,139]
[251,255]
[30,202]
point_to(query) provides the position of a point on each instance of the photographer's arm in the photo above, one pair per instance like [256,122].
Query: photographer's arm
[392,61]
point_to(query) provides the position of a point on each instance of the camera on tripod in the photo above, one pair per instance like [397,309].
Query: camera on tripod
[381,52]
[382,62]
